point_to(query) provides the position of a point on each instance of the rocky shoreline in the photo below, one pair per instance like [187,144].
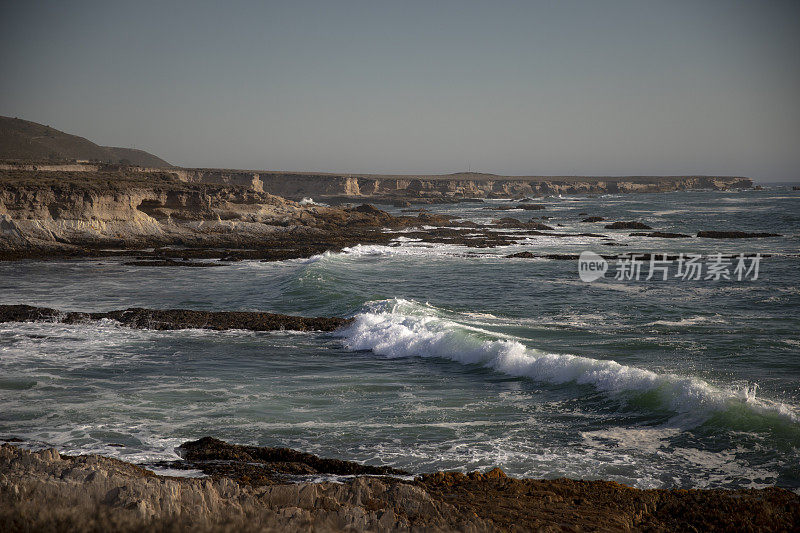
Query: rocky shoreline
[162,215]
[172,319]
[249,488]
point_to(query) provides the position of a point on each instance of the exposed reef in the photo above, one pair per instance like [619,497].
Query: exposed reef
[171,319]
[266,489]
[735,235]
[633,224]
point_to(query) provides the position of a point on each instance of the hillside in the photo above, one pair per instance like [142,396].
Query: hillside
[28,141]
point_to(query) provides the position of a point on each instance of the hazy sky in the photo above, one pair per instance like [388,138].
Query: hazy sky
[551,87]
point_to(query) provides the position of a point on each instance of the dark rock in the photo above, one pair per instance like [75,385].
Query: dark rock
[513,223]
[53,492]
[171,319]
[523,255]
[628,225]
[263,465]
[592,219]
[538,225]
[509,222]
[368,208]
[662,234]
[434,218]
[734,235]
[171,263]
[524,207]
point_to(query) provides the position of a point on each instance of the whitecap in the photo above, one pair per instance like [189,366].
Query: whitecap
[400,328]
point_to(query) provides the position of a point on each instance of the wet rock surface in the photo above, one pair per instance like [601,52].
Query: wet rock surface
[262,465]
[522,205]
[171,319]
[170,262]
[574,505]
[633,224]
[662,235]
[735,235]
[44,490]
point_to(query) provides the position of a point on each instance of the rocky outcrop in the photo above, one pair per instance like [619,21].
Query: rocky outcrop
[50,212]
[628,225]
[255,465]
[171,319]
[735,235]
[524,206]
[45,491]
[662,235]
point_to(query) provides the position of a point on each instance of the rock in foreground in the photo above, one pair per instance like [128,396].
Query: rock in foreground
[255,465]
[46,491]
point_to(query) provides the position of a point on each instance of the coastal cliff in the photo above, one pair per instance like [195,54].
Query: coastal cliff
[62,211]
[377,187]
[28,146]
[164,214]
[296,185]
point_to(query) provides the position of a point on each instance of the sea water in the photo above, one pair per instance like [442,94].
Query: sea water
[458,358]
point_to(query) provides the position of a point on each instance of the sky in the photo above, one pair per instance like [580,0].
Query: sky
[565,87]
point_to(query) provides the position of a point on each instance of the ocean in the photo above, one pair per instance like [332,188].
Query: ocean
[458,358]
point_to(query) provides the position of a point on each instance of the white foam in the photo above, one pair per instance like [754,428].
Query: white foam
[400,328]
[405,249]
[689,321]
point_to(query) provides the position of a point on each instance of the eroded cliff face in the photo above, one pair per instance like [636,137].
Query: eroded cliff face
[62,209]
[464,185]
[296,185]
[125,207]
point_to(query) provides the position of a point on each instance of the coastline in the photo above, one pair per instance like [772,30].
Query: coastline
[154,220]
[58,211]
[253,489]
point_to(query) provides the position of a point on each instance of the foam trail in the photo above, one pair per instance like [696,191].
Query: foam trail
[400,328]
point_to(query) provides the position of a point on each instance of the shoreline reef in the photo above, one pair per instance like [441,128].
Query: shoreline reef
[249,488]
[173,319]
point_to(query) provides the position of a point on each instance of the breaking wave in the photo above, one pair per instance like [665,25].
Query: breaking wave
[401,328]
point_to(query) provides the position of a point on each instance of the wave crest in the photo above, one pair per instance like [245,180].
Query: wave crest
[401,328]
